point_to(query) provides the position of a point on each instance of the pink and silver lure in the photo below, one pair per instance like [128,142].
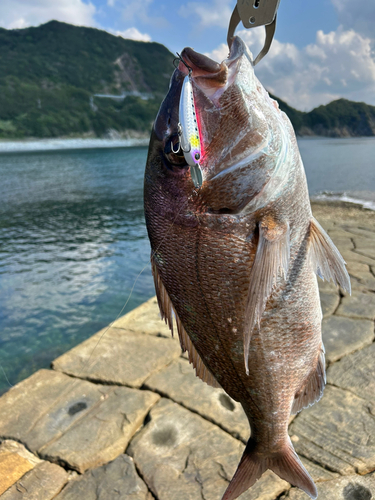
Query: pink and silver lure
[189,132]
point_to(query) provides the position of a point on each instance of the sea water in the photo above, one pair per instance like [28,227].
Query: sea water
[73,240]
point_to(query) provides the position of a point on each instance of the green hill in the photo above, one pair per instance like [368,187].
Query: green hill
[50,75]
[340,118]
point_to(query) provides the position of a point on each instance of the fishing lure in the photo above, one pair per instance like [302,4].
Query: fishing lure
[188,130]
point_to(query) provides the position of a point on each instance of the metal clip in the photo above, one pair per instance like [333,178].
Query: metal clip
[255,13]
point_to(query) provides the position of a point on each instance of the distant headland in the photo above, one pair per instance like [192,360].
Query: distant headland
[59,80]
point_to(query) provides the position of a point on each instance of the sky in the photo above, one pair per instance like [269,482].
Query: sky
[323,49]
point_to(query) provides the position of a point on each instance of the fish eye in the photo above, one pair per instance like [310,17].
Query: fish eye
[173,152]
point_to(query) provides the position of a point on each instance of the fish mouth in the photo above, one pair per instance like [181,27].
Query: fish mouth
[214,78]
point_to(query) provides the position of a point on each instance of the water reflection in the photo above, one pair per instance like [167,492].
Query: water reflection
[72,242]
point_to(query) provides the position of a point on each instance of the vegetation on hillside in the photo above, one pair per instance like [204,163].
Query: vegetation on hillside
[340,118]
[49,76]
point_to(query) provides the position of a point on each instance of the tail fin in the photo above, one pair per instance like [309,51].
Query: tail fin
[285,464]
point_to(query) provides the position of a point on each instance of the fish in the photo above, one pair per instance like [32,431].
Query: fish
[235,259]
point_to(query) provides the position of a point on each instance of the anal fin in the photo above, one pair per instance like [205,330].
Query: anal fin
[312,390]
[272,256]
[167,311]
[326,260]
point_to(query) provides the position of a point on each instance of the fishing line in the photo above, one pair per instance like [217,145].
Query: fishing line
[5,375]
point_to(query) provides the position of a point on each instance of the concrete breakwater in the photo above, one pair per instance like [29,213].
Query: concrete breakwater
[122,415]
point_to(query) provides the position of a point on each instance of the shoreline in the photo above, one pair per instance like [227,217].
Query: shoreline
[70,143]
[113,140]
[116,141]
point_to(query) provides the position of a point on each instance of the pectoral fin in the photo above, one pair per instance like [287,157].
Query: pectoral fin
[167,311]
[272,256]
[312,389]
[325,258]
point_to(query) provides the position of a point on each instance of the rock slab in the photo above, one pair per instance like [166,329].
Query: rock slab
[181,455]
[179,383]
[329,302]
[118,357]
[71,420]
[358,306]
[356,373]
[342,336]
[117,479]
[338,433]
[43,482]
[345,488]
[15,461]
[144,319]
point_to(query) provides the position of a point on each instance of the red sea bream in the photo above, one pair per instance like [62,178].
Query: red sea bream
[236,259]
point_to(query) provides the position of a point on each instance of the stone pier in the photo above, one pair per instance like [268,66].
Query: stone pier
[122,415]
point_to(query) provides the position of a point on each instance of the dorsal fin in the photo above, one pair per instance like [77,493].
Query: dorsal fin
[326,260]
[167,311]
[312,390]
[272,255]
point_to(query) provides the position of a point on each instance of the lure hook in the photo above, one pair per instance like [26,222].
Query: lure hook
[180,135]
[179,57]
[178,149]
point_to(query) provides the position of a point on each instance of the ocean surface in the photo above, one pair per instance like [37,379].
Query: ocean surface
[73,242]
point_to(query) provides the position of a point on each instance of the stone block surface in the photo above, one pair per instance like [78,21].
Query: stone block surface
[355,373]
[15,461]
[345,488]
[117,479]
[367,250]
[342,336]
[329,303]
[181,455]
[354,256]
[119,357]
[362,280]
[43,482]
[179,382]
[317,472]
[341,239]
[71,420]
[327,287]
[358,306]
[363,232]
[357,267]
[337,433]
[144,319]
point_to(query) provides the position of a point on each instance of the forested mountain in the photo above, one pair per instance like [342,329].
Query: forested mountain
[340,118]
[50,78]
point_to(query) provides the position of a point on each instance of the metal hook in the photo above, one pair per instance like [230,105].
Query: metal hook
[183,62]
[178,149]
[180,134]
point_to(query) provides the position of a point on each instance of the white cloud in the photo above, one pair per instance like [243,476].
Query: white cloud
[23,13]
[136,10]
[359,16]
[338,64]
[217,13]
[133,34]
